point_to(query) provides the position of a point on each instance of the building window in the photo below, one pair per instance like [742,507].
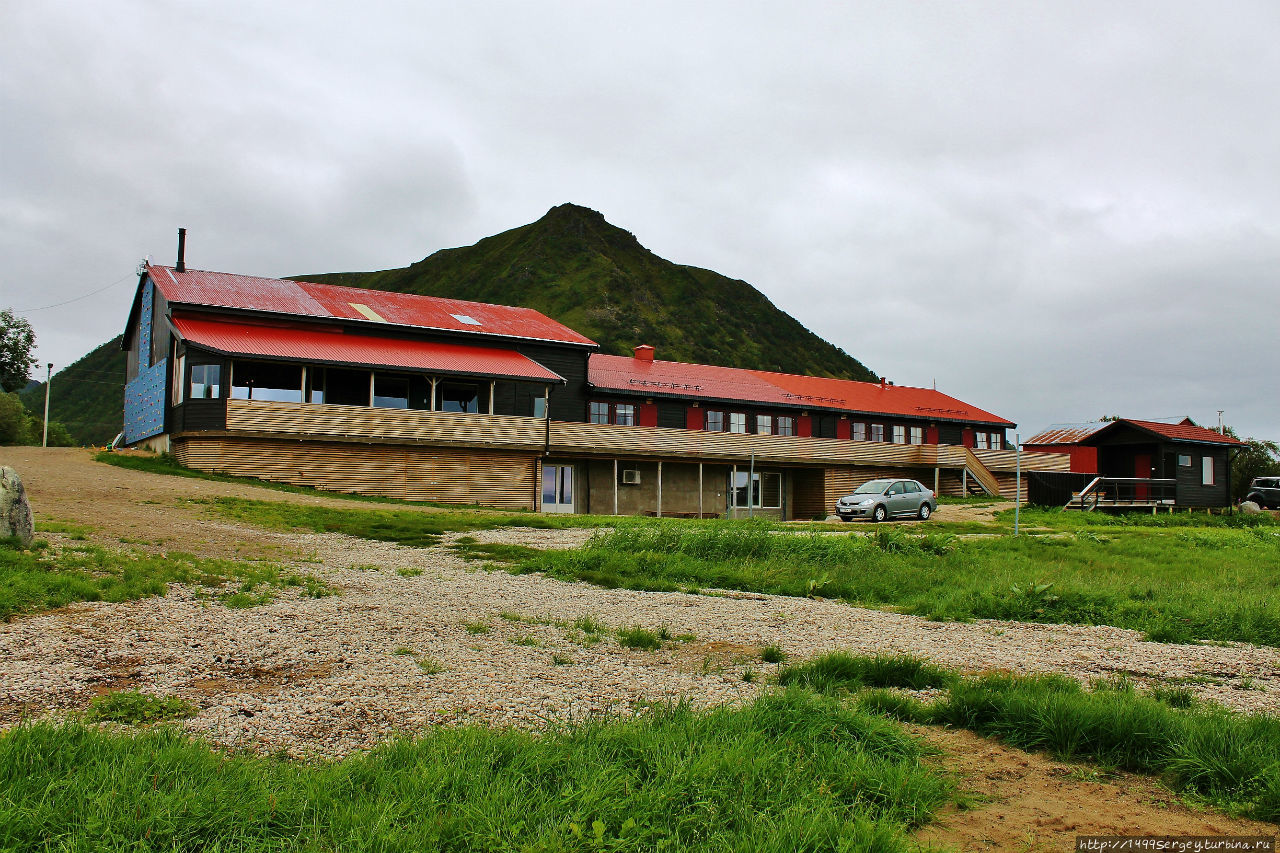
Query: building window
[540,407]
[859,431]
[621,414]
[765,490]
[917,435]
[899,435]
[980,441]
[877,432]
[737,422]
[715,421]
[1206,471]
[463,397]
[784,426]
[339,387]
[390,392]
[1184,460]
[764,425]
[997,441]
[206,382]
[257,380]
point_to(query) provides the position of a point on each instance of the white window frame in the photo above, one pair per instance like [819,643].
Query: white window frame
[980,440]
[784,425]
[997,441]
[917,435]
[714,415]
[1206,471]
[764,425]
[737,423]
[859,431]
[899,434]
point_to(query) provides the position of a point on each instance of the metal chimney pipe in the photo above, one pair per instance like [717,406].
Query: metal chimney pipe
[182,250]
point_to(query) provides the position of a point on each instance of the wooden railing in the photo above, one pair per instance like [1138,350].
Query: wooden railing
[1125,493]
[323,420]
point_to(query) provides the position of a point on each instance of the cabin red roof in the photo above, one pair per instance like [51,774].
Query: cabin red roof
[1080,433]
[760,387]
[333,346]
[308,299]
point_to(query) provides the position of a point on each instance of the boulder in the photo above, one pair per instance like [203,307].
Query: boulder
[15,511]
[833,518]
[1250,508]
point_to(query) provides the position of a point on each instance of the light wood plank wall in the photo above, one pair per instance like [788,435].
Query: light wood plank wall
[447,475]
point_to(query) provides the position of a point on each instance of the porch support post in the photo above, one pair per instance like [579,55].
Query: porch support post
[370,389]
[964,482]
[659,488]
[615,487]
[699,490]
[493,392]
[937,476]
[431,407]
[306,398]
[546,402]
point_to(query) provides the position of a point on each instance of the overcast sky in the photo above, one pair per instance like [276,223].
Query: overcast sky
[1056,211]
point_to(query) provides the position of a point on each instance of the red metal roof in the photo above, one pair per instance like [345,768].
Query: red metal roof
[333,346]
[760,387]
[308,299]
[1079,433]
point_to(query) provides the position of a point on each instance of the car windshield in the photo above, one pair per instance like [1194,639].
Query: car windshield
[875,487]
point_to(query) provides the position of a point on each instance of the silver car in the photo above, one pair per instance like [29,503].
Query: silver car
[881,499]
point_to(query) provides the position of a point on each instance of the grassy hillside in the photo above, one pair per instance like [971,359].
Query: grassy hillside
[594,277]
[88,396]
[571,265]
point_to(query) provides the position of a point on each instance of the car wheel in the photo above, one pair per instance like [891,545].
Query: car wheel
[879,513]
[925,512]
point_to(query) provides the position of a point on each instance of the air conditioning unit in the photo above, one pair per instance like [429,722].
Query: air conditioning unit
[631,477]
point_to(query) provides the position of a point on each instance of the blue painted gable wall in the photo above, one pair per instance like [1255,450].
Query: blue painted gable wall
[144,396]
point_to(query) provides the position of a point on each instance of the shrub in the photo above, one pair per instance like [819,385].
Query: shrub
[638,638]
[133,708]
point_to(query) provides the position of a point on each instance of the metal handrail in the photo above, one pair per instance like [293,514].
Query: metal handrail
[1161,491]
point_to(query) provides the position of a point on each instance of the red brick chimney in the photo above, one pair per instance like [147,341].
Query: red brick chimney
[644,352]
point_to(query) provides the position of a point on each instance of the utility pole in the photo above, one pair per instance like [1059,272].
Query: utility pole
[1220,430]
[1017,489]
[48,376]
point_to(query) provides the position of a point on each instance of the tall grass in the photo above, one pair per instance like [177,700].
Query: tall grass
[1179,584]
[791,771]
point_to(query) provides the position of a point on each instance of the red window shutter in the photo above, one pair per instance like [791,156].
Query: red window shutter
[693,418]
[648,415]
[966,437]
[804,426]
[842,428]
[931,435]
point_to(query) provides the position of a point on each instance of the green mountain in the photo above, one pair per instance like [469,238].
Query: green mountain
[571,265]
[594,277]
[87,397]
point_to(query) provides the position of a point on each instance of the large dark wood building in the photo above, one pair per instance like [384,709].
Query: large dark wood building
[436,399]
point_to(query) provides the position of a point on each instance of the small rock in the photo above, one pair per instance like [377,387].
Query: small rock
[833,518]
[15,510]
[1250,508]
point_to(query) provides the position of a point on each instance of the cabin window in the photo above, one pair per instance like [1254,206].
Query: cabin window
[764,425]
[877,432]
[458,397]
[206,382]
[997,441]
[859,431]
[1184,460]
[980,440]
[390,391]
[1206,471]
[784,426]
[899,435]
[737,422]
[715,421]
[917,435]
[599,413]
[257,380]
[539,407]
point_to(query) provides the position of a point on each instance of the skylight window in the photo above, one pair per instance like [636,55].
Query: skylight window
[367,312]
[463,318]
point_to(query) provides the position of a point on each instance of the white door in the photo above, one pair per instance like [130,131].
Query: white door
[557,488]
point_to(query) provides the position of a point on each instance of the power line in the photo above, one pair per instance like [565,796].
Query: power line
[77,298]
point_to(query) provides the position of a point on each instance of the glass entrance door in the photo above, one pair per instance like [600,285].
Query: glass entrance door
[557,488]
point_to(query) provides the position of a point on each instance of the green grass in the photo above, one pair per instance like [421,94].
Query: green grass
[791,771]
[772,654]
[639,638]
[1178,583]
[43,578]
[134,708]
[839,672]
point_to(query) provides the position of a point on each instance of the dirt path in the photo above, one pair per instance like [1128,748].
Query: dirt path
[419,637]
